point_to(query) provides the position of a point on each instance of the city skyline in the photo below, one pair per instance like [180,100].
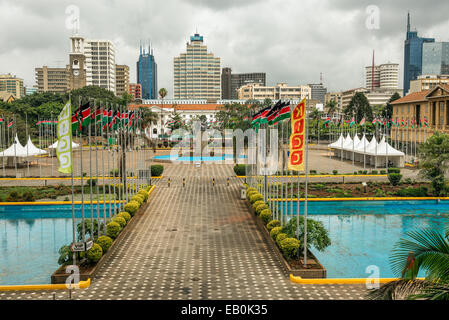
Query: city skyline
[320,45]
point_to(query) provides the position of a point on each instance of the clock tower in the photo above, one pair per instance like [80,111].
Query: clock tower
[77,67]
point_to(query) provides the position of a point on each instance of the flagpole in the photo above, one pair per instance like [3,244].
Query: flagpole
[80,129]
[364,146]
[73,187]
[306,184]
[96,167]
[110,157]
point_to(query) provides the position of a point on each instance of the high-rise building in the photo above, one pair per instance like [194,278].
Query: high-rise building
[197,72]
[318,92]
[100,63]
[12,84]
[135,90]
[231,82]
[254,91]
[413,54]
[55,80]
[92,63]
[121,79]
[386,76]
[435,58]
[147,74]
[30,90]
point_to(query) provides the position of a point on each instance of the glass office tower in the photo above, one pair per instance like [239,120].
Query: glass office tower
[435,58]
[413,56]
[147,74]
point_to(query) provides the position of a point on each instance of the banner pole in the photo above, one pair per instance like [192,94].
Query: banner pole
[306,185]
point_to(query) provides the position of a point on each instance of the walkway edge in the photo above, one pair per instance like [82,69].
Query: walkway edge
[35,287]
[300,280]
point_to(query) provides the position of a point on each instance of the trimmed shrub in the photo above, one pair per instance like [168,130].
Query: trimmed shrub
[240,169]
[94,254]
[132,207]
[281,236]
[105,243]
[144,194]
[113,229]
[138,198]
[289,247]
[275,231]
[394,178]
[374,172]
[273,224]
[257,203]
[121,221]
[255,197]
[412,192]
[312,171]
[251,193]
[28,196]
[250,189]
[382,172]
[157,170]
[266,215]
[114,172]
[394,170]
[335,172]
[13,196]
[94,182]
[260,208]
[125,215]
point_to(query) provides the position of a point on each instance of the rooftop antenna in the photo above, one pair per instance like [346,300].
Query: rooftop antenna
[408,21]
[321,78]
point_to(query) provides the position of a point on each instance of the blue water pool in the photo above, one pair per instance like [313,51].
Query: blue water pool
[363,233]
[200,158]
[30,237]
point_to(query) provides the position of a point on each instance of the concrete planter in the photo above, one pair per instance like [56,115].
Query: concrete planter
[317,271]
[59,276]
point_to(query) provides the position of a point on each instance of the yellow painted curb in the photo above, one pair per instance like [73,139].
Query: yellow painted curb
[342,281]
[362,199]
[69,178]
[33,287]
[55,203]
[151,190]
[323,176]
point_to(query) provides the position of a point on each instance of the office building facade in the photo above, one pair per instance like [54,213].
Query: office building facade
[318,92]
[385,76]
[435,58]
[11,84]
[282,91]
[135,90]
[413,54]
[230,82]
[55,80]
[427,82]
[197,72]
[121,79]
[147,74]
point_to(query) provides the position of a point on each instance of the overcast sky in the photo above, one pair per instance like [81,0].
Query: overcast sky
[291,40]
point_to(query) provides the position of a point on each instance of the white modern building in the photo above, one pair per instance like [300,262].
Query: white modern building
[100,63]
[385,76]
[255,91]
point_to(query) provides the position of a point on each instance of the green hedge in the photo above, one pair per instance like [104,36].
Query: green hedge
[94,254]
[157,170]
[113,229]
[394,178]
[289,247]
[266,215]
[240,169]
[105,243]
[273,224]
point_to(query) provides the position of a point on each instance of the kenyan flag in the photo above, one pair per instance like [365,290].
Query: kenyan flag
[352,122]
[10,124]
[83,116]
[426,124]
[96,115]
[362,123]
[258,116]
[131,121]
[75,124]
[283,113]
[327,121]
[403,122]
[2,120]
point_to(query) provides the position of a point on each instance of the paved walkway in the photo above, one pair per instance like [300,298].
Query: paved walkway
[196,242]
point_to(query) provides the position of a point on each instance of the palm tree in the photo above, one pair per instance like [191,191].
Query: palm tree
[331,107]
[422,250]
[162,94]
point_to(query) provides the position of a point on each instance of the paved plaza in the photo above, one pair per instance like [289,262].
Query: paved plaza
[195,242]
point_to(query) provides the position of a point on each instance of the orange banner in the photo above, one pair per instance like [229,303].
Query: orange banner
[297,138]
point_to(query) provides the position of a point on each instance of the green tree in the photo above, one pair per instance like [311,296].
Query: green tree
[331,107]
[91,93]
[387,111]
[359,107]
[434,161]
[175,121]
[423,250]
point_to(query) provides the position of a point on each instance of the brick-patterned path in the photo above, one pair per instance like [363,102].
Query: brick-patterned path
[196,242]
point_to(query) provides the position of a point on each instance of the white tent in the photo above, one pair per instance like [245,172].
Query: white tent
[337,144]
[55,145]
[15,150]
[347,142]
[32,150]
[362,145]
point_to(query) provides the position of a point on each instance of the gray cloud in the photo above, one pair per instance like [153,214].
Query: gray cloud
[292,41]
